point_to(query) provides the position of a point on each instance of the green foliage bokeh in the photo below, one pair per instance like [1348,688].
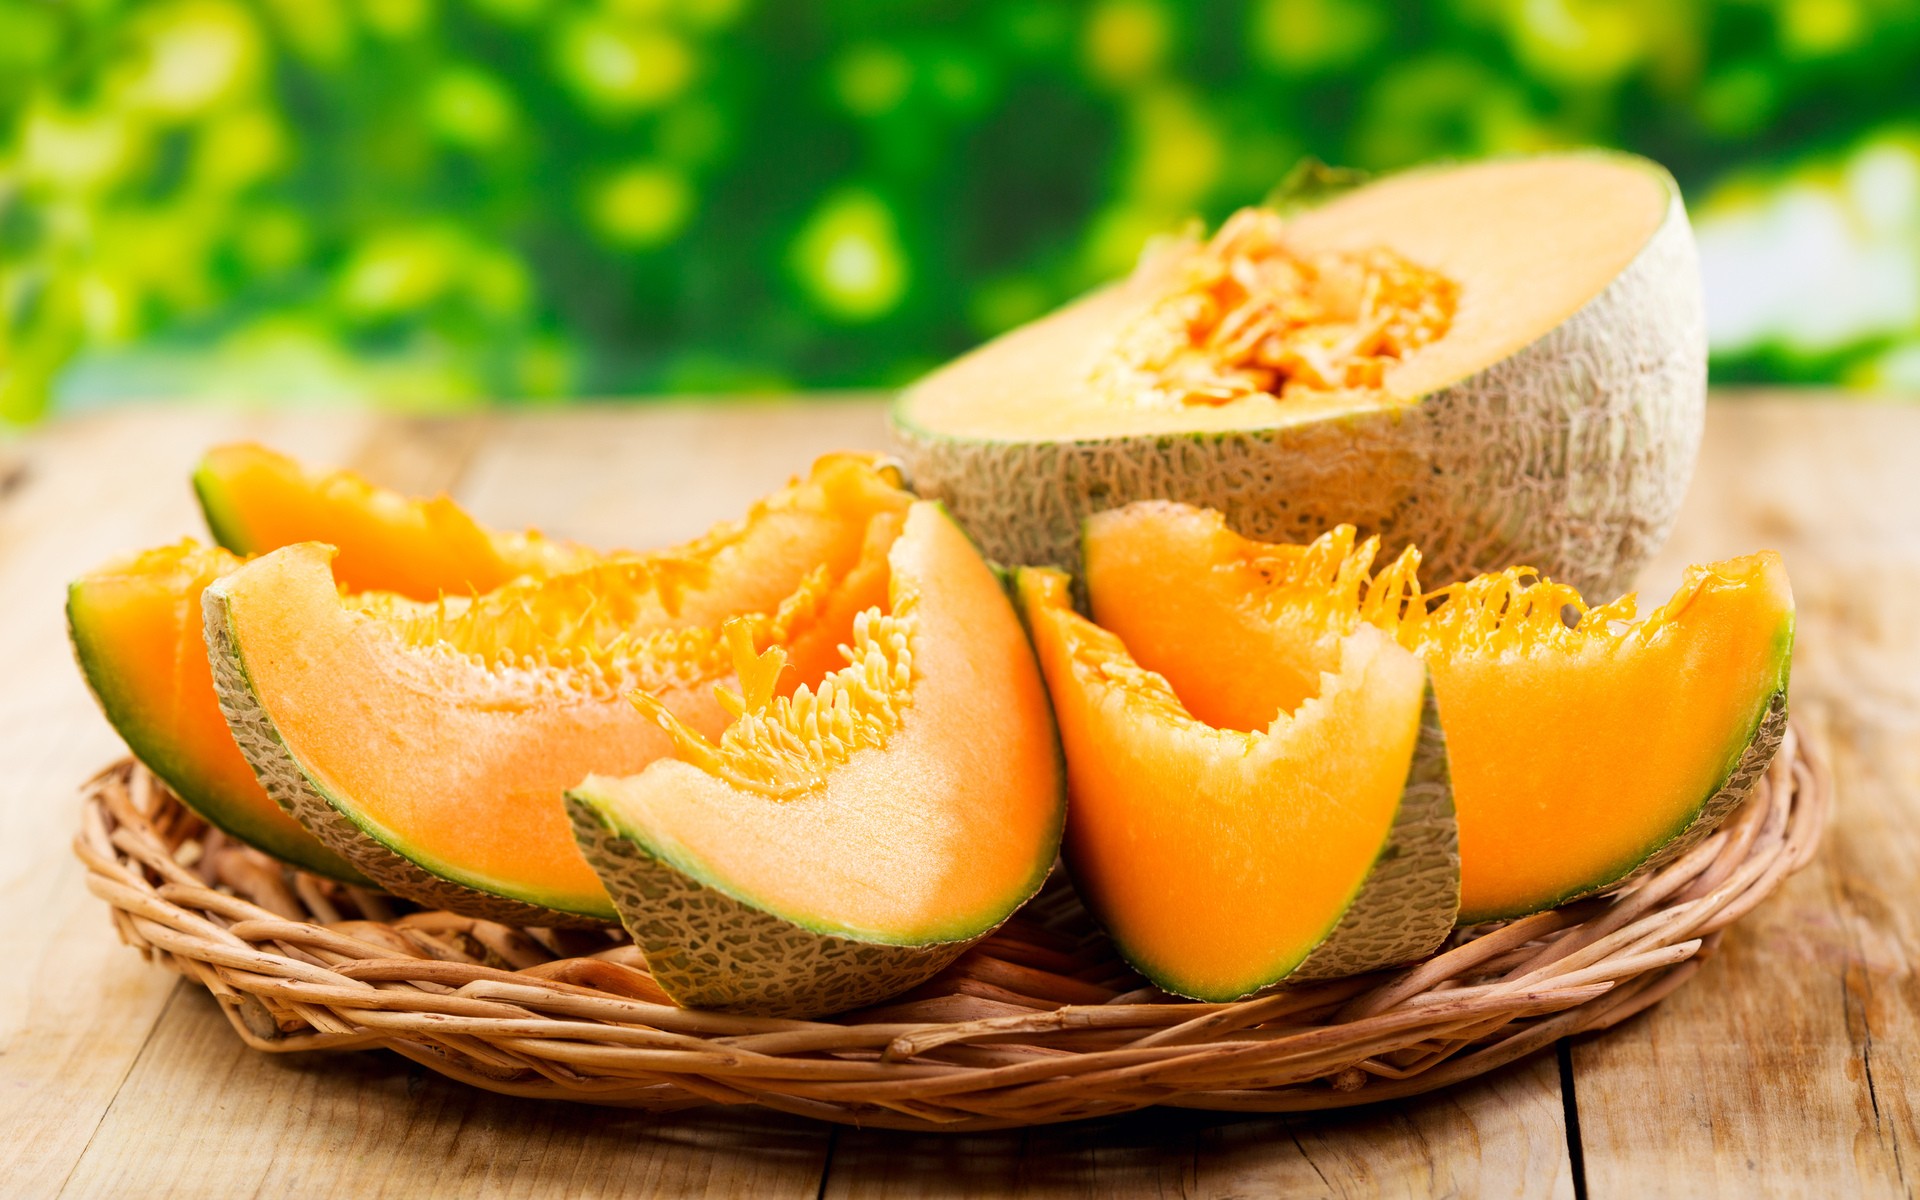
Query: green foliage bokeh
[431,202]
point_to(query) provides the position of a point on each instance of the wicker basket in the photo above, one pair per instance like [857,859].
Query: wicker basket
[1040,1023]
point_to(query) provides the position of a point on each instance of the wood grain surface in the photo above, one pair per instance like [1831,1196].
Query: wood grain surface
[1786,1068]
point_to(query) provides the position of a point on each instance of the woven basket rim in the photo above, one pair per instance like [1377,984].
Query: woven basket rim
[1040,1023]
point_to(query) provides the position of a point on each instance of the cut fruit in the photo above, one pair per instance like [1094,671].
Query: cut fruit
[256,500]
[136,630]
[1221,861]
[428,744]
[1500,362]
[840,846]
[1581,756]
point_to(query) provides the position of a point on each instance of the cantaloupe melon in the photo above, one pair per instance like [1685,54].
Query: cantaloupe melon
[136,630]
[137,633]
[428,744]
[1224,861]
[1579,755]
[255,500]
[1501,362]
[840,845]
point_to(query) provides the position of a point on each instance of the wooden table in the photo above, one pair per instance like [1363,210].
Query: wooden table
[1788,1067]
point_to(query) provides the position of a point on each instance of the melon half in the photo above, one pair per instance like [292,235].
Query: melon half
[1500,362]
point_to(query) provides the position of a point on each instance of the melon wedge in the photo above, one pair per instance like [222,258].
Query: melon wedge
[428,744]
[1580,756]
[841,845]
[1500,362]
[255,500]
[136,630]
[1222,862]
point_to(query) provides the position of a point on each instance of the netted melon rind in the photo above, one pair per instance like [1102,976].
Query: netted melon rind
[284,780]
[708,950]
[1571,455]
[1407,906]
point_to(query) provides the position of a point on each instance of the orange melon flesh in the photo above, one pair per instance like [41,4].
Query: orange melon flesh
[1573,761]
[942,817]
[256,500]
[1576,753]
[447,732]
[135,626]
[1218,859]
[1587,216]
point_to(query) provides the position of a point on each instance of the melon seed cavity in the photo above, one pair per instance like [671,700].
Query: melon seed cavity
[1250,316]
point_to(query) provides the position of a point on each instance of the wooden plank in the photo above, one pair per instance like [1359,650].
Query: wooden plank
[1502,1136]
[75,1006]
[202,1115]
[1787,1067]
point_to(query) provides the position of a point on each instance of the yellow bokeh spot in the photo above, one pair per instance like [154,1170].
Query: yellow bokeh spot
[1125,41]
[240,148]
[623,68]
[469,107]
[1313,35]
[848,257]
[1814,28]
[498,282]
[193,56]
[315,29]
[1586,43]
[272,239]
[641,205]
[107,306]
[396,19]
[872,80]
[1177,154]
[70,151]
[398,271]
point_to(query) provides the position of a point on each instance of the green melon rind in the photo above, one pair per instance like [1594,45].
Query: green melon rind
[708,949]
[1571,455]
[169,767]
[1749,767]
[1407,905]
[334,822]
[1401,910]
[223,521]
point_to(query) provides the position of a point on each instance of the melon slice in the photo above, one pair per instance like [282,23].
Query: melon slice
[1580,756]
[256,500]
[841,845]
[136,630]
[1501,362]
[1223,861]
[428,744]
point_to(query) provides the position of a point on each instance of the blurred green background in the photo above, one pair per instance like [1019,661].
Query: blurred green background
[427,203]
